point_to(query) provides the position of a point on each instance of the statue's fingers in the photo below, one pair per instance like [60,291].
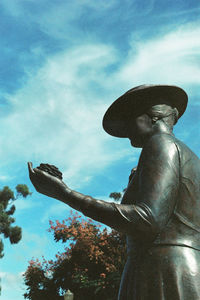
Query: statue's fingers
[31,171]
[30,167]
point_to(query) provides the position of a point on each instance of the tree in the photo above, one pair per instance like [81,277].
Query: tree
[90,266]
[7,209]
[116,196]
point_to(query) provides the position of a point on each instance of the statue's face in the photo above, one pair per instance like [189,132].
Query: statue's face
[139,129]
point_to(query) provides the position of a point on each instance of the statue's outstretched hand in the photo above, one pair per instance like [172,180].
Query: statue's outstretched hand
[47,180]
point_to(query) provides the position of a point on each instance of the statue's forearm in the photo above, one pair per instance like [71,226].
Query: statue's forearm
[98,210]
[109,213]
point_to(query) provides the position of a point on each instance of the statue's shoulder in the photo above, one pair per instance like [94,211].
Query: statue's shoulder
[159,148]
[185,151]
[166,142]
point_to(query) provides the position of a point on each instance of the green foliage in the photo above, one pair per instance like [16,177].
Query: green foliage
[22,190]
[90,266]
[7,209]
[1,248]
[116,196]
[6,195]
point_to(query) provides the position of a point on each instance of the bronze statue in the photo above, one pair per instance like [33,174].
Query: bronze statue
[160,210]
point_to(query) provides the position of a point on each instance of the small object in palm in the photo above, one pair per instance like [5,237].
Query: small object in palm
[50,169]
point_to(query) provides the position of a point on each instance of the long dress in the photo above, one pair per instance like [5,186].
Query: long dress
[162,273]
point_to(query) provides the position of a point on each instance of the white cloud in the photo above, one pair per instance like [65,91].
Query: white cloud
[170,59]
[11,280]
[4,178]
[59,19]
[17,257]
[56,117]
[31,245]
[24,204]
[12,285]
[57,210]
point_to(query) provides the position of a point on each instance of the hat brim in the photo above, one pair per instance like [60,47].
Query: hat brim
[136,101]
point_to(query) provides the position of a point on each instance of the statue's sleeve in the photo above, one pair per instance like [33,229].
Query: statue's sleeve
[158,182]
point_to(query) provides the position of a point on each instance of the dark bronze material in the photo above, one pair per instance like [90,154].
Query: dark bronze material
[160,210]
[136,101]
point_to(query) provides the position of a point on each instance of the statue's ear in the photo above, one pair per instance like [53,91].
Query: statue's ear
[154,120]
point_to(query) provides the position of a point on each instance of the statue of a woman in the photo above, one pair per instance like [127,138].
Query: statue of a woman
[160,210]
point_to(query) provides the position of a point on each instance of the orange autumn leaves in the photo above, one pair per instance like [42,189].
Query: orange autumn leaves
[91,262]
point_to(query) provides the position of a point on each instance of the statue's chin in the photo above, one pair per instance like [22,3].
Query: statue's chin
[136,143]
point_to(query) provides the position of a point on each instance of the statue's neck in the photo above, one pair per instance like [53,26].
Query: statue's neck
[161,127]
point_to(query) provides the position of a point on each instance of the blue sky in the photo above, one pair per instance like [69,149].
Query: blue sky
[62,64]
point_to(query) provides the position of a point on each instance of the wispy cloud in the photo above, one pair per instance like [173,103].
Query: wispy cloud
[56,19]
[24,204]
[56,211]
[172,58]
[4,178]
[61,107]
[32,245]
[12,285]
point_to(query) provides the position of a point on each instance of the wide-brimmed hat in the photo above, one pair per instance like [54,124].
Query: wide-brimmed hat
[136,101]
